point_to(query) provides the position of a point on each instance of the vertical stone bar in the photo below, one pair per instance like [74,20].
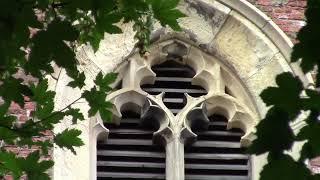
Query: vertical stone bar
[175,159]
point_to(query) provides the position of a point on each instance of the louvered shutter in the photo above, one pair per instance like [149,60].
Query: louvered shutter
[217,155]
[174,79]
[129,152]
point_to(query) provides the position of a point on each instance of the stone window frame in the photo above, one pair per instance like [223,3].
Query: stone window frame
[175,131]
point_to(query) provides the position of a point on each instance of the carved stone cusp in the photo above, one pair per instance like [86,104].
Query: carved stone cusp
[154,116]
[195,119]
[101,133]
[187,136]
[175,50]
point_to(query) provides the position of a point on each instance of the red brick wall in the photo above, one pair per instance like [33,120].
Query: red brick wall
[287,14]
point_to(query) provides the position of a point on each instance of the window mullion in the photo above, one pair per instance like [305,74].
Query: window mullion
[175,160]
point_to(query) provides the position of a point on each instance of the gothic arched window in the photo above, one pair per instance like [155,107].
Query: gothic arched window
[179,114]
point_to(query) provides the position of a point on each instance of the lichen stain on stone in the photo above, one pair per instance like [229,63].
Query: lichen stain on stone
[202,9]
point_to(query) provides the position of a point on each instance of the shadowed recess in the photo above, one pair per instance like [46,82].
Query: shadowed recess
[174,79]
[129,152]
[216,154]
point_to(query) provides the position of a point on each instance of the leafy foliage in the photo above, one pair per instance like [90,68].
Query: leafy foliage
[39,34]
[68,139]
[308,47]
[280,138]
[290,98]
[167,14]
[288,92]
[97,95]
[31,165]
[285,168]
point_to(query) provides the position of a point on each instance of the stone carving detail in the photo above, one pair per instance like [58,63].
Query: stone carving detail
[197,117]
[154,115]
[238,115]
[227,98]
[209,73]
[175,50]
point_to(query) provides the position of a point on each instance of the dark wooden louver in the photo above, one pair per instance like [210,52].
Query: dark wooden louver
[129,152]
[174,79]
[217,155]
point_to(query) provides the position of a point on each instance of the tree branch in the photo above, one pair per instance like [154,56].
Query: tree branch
[55,113]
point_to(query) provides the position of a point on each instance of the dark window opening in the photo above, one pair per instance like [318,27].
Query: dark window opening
[129,152]
[174,78]
[217,153]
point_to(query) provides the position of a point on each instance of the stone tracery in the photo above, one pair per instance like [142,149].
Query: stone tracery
[174,126]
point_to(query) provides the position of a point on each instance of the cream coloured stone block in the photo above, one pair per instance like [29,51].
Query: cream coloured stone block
[242,45]
[257,163]
[204,18]
[264,78]
[115,48]
[68,165]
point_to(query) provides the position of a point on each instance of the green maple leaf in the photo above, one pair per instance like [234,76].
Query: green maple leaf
[97,97]
[313,100]
[310,132]
[78,80]
[9,164]
[6,120]
[76,115]
[131,10]
[104,81]
[307,49]
[69,139]
[52,119]
[104,23]
[12,89]
[97,102]
[45,106]
[284,168]
[44,111]
[274,134]
[34,168]
[165,12]
[8,135]
[286,96]
[41,95]
[43,53]
[94,38]
[64,29]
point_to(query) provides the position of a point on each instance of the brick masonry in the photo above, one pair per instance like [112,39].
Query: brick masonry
[287,14]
